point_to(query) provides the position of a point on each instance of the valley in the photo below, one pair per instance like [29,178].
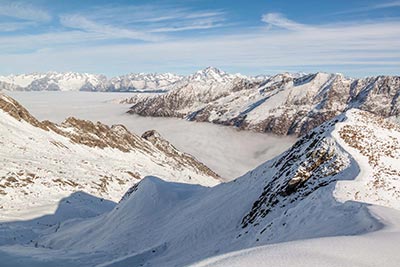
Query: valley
[227,151]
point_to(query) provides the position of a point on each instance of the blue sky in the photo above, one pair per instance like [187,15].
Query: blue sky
[357,38]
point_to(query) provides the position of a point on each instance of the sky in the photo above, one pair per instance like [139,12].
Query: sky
[355,37]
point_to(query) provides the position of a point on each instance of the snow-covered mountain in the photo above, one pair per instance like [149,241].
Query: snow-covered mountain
[134,82]
[72,81]
[53,81]
[43,162]
[335,181]
[282,104]
[142,82]
[192,93]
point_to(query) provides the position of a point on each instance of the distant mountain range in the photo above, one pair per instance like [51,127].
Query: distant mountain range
[134,82]
[71,81]
[283,104]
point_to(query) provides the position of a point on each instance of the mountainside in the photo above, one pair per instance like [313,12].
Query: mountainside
[71,81]
[325,185]
[43,162]
[283,104]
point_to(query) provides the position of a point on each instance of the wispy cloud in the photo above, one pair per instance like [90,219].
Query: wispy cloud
[136,23]
[198,24]
[371,7]
[185,20]
[147,23]
[387,5]
[133,14]
[24,11]
[156,18]
[278,20]
[105,30]
[15,26]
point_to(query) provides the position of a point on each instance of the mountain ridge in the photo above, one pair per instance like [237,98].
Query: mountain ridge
[318,188]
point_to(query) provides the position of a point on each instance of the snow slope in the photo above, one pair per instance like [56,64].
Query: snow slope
[324,186]
[43,162]
[370,250]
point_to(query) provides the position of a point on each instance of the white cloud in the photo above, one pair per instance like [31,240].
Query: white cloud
[387,5]
[107,31]
[278,20]
[147,23]
[149,13]
[186,21]
[24,11]
[198,24]
[155,18]
[371,7]
[14,26]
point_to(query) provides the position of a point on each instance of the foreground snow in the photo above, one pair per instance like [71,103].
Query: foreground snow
[378,248]
[297,209]
[369,250]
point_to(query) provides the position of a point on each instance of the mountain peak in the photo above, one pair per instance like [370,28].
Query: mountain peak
[213,75]
[210,69]
[208,73]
